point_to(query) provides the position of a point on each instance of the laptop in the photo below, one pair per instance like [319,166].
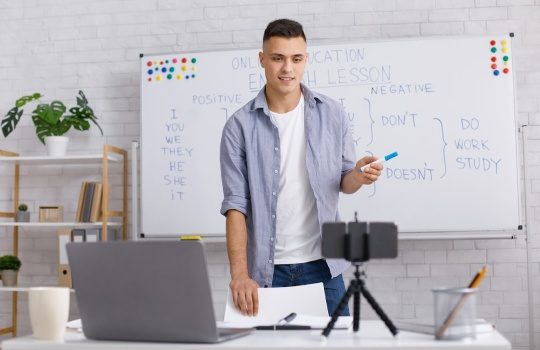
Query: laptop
[145,291]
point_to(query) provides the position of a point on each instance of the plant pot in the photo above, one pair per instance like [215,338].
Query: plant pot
[22,216]
[9,278]
[56,145]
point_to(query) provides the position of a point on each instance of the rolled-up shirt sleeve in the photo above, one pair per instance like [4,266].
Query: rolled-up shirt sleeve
[234,176]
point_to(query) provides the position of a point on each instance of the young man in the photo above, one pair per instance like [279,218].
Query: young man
[285,156]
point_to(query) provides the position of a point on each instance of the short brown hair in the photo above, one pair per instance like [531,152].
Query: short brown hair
[284,28]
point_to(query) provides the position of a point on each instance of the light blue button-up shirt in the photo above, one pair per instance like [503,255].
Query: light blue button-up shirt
[249,155]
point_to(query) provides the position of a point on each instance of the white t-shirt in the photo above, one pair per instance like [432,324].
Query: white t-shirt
[298,238]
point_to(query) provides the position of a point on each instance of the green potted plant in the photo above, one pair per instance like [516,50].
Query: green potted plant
[23,215]
[51,120]
[9,267]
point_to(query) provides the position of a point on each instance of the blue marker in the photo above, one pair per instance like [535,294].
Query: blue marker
[380,160]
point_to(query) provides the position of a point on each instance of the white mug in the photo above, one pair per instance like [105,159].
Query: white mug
[49,311]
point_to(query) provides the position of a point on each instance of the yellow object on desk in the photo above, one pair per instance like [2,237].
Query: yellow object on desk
[190,238]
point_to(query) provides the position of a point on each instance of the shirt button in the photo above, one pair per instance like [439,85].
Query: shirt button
[273,193]
[271,239]
[275,171]
[276,149]
[270,261]
[273,216]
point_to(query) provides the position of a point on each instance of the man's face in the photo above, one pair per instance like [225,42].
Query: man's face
[284,60]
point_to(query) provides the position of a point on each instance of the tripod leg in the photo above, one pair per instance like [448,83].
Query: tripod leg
[371,300]
[356,310]
[344,300]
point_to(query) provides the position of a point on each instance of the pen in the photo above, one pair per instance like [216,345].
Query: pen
[285,327]
[478,278]
[380,160]
[287,319]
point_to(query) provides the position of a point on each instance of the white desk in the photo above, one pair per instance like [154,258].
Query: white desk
[372,335]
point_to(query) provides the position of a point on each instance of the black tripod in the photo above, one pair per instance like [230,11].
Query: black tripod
[357,286]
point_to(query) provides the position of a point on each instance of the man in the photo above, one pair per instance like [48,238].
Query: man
[285,156]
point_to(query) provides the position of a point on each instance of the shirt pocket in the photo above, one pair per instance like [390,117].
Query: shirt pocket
[330,159]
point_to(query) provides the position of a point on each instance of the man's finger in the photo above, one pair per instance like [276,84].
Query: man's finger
[249,304]
[255,296]
[241,303]
[369,159]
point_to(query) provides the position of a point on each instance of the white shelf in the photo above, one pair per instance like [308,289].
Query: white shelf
[23,289]
[14,289]
[66,160]
[59,224]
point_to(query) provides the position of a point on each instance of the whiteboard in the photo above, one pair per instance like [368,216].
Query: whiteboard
[440,103]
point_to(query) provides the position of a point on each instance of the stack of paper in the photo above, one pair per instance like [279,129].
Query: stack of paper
[308,302]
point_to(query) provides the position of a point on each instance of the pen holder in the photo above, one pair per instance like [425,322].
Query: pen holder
[455,313]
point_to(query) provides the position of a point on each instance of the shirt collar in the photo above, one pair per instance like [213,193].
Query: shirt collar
[311,98]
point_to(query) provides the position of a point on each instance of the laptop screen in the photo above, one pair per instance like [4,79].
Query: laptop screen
[143,291]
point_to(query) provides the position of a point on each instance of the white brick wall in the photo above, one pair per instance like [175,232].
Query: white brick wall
[59,46]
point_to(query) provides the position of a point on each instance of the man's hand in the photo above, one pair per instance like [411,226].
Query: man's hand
[354,179]
[245,296]
[370,173]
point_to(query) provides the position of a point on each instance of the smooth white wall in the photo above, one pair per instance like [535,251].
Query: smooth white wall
[58,47]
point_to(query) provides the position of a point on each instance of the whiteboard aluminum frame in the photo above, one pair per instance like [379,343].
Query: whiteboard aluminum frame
[530,291]
[408,235]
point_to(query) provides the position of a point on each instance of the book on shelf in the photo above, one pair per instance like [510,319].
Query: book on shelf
[78,214]
[89,205]
[95,210]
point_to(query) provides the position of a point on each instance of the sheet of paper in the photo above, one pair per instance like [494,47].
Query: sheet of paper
[74,324]
[276,303]
[308,302]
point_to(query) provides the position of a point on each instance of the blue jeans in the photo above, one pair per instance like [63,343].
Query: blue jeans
[289,275]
